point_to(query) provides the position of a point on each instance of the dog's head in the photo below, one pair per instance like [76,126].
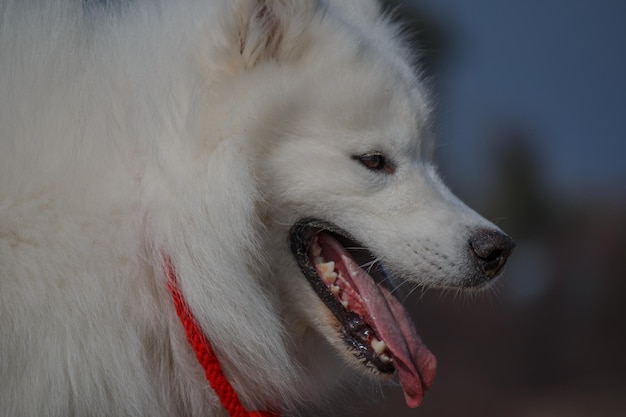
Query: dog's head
[352,196]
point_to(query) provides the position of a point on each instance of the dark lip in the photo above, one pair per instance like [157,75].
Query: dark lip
[355,331]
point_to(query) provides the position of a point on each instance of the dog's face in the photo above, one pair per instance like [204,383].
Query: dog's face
[356,204]
[353,180]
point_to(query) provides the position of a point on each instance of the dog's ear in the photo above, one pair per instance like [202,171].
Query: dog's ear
[272,29]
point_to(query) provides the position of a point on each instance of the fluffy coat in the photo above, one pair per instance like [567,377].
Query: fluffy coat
[196,129]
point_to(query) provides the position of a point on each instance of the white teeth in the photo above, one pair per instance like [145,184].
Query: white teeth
[385,359]
[378,345]
[326,267]
[334,289]
[327,270]
[344,303]
[330,277]
[316,249]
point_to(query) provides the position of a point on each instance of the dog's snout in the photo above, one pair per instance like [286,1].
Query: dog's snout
[491,250]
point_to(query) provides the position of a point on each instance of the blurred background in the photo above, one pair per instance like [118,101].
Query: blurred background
[531,98]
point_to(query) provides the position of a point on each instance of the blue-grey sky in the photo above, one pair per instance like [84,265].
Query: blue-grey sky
[555,66]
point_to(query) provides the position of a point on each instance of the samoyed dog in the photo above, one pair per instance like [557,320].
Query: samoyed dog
[209,208]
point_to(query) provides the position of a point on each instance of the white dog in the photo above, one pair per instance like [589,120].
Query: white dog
[249,179]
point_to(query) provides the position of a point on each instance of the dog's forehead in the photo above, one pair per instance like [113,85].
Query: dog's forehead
[361,94]
[384,95]
[371,93]
[385,107]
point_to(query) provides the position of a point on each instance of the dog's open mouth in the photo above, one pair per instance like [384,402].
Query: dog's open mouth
[373,322]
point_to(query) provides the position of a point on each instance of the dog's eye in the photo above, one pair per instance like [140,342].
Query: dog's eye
[375,161]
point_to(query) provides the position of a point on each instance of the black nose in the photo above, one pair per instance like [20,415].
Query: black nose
[491,249]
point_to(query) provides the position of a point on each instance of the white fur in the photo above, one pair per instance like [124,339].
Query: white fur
[202,130]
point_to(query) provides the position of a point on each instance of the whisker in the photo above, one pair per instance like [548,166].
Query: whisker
[414,288]
[368,266]
[356,248]
[397,286]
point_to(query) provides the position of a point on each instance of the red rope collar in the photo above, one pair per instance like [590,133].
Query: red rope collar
[204,352]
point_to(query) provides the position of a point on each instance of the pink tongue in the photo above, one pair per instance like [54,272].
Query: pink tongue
[415,364]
